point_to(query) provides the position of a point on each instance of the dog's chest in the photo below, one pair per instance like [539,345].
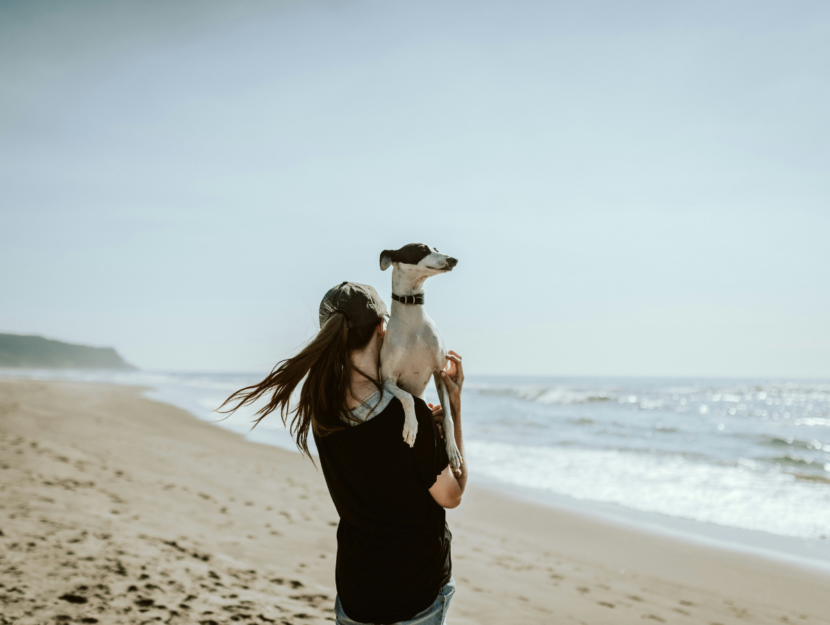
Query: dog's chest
[424,345]
[418,353]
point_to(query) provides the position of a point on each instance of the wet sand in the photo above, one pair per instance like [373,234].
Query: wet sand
[118,509]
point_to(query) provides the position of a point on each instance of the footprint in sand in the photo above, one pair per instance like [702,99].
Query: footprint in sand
[71,598]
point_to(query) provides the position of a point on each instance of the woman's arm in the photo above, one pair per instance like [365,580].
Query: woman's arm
[449,487]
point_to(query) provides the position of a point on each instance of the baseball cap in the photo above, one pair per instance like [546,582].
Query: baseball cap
[360,304]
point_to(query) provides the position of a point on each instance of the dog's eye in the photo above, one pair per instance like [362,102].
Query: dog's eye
[435,248]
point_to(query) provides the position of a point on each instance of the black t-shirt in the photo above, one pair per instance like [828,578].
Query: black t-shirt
[393,543]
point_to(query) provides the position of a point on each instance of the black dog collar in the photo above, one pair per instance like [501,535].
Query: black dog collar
[409,299]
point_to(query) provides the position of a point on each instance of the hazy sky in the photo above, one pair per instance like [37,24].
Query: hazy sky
[632,188]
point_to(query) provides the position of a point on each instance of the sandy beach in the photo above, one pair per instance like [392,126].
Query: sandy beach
[118,509]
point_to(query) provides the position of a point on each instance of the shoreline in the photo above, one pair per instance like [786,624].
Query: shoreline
[806,553]
[168,485]
[812,553]
[194,399]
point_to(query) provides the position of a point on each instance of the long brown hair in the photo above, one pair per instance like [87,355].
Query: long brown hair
[323,404]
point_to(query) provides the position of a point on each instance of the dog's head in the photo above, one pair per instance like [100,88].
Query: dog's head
[417,258]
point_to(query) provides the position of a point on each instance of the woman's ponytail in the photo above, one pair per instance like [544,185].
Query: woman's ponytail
[323,404]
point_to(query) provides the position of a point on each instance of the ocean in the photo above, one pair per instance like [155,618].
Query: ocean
[737,454]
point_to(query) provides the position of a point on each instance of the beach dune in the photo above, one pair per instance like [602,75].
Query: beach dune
[118,509]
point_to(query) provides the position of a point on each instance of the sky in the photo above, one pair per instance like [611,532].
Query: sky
[631,189]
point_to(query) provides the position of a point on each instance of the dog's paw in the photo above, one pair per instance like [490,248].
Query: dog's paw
[454,455]
[410,431]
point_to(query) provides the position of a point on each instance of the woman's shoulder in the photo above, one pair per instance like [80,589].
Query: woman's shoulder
[372,406]
[422,409]
[387,408]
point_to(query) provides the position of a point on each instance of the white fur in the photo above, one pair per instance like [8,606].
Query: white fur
[413,350]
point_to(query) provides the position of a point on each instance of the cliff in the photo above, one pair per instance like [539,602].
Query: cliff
[36,352]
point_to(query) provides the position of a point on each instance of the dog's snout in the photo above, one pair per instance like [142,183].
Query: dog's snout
[452,262]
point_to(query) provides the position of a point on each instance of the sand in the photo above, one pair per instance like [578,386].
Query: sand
[118,509]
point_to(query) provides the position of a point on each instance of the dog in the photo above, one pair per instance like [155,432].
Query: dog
[413,349]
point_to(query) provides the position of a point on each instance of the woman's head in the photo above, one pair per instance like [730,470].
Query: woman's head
[358,303]
[351,318]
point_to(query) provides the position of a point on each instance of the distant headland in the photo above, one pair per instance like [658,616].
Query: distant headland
[35,352]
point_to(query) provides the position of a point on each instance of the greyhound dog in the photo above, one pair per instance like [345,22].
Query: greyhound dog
[413,349]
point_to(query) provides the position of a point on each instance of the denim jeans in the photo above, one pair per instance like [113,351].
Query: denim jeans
[436,614]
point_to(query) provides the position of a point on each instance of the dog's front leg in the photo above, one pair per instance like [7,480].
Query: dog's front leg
[449,426]
[410,423]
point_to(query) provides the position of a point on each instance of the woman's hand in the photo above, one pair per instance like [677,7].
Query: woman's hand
[453,377]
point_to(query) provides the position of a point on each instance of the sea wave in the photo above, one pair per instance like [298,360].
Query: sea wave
[795,461]
[746,495]
[562,395]
[779,441]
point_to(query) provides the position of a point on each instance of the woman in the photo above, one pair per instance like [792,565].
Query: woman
[393,543]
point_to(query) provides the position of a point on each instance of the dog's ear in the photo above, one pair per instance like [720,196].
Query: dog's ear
[386,259]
